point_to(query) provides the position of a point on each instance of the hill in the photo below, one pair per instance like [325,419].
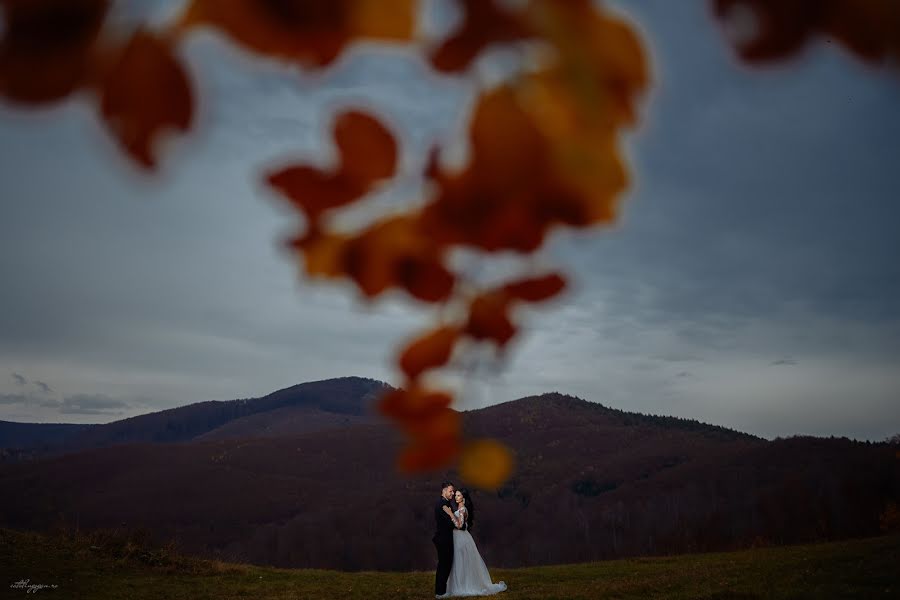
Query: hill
[101,566]
[591,483]
[347,397]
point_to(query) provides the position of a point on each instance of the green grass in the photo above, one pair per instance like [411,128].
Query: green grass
[100,566]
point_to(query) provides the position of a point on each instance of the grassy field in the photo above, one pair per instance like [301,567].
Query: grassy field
[100,566]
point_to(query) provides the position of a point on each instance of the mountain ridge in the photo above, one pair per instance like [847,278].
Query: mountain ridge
[303,407]
[588,485]
[344,396]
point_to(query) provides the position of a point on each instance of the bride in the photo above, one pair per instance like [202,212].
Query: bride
[468,575]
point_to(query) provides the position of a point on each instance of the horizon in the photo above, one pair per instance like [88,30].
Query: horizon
[526,397]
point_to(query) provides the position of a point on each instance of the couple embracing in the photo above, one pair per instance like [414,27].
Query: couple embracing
[460,569]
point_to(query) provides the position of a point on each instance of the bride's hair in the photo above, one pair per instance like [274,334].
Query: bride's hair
[470,508]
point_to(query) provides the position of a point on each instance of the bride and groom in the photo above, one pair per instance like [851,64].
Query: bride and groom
[460,569]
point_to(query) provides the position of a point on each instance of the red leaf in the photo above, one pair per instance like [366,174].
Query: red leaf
[396,252]
[429,351]
[314,191]
[368,153]
[145,93]
[45,50]
[484,23]
[414,405]
[368,150]
[489,318]
[428,456]
[536,289]
[312,32]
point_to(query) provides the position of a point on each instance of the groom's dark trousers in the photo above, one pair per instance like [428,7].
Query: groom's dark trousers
[443,541]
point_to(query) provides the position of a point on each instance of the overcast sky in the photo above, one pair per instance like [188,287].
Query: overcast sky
[752,281]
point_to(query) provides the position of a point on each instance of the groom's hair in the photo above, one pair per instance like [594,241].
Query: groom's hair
[446,484]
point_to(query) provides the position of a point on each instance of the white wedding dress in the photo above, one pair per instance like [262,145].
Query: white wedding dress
[468,575]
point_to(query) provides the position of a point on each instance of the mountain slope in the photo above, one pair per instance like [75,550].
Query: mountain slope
[346,396]
[591,483]
[287,420]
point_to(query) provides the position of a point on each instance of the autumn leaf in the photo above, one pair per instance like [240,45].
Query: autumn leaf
[486,463]
[323,252]
[314,191]
[536,289]
[45,52]
[489,311]
[414,404]
[582,101]
[484,22]
[600,65]
[368,150]
[311,32]
[495,202]
[428,456]
[429,351]
[145,93]
[437,428]
[489,318]
[432,427]
[390,20]
[367,154]
[396,252]
[868,28]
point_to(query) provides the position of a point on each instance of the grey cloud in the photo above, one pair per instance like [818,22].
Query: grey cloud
[92,404]
[44,386]
[784,361]
[674,357]
[14,398]
[19,379]
[753,186]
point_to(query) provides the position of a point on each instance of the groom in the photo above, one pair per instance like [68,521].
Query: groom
[443,538]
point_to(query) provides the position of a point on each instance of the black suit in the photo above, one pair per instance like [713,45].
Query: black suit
[443,541]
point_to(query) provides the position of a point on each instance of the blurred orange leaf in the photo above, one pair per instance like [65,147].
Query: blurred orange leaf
[437,427]
[46,47]
[414,404]
[314,191]
[368,150]
[433,427]
[495,203]
[308,31]
[601,65]
[384,19]
[486,463]
[323,253]
[397,252]
[368,153]
[489,318]
[581,101]
[868,28]
[427,456]
[145,92]
[429,351]
[536,289]
[484,23]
